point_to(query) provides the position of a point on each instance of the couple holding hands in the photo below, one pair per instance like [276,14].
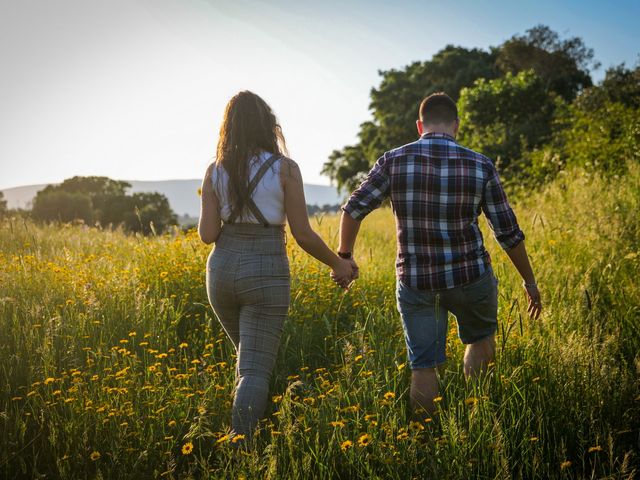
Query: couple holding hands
[437,190]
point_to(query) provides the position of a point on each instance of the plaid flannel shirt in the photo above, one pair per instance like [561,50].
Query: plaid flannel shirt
[438,189]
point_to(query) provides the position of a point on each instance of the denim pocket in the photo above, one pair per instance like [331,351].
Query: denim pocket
[480,289]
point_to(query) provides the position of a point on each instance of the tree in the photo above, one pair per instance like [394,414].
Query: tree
[538,69]
[563,65]
[620,85]
[59,205]
[599,131]
[105,201]
[346,167]
[3,205]
[506,116]
[151,213]
[394,105]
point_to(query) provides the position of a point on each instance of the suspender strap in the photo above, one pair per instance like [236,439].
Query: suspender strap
[251,204]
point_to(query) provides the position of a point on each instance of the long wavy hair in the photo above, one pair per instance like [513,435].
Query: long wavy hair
[249,127]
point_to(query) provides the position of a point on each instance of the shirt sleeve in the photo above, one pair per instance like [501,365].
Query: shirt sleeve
[370,194]
[501,218]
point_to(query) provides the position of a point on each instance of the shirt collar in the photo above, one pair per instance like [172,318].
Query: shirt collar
[444,136]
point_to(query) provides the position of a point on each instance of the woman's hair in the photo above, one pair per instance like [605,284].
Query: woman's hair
[249,126]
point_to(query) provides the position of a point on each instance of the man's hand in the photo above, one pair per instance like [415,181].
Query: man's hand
[356,270]
[535,304]
[341,277]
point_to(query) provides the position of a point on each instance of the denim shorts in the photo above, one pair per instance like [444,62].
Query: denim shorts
[424,317]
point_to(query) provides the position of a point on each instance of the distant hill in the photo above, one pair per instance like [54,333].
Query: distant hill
[182,194]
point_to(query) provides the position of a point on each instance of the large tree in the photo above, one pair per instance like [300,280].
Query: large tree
[506,116]
[63,206]
[106,202]
[599,131]
[394,105]
[563,65]
[151,213]
[3,205]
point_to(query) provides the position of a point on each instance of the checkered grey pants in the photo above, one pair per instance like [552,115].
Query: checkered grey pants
[248,288]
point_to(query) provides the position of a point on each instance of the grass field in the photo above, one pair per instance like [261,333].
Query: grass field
[112,365]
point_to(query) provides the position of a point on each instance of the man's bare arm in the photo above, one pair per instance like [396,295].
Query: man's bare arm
[348,232]
[520,259]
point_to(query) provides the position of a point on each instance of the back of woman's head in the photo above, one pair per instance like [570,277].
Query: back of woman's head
[249,126]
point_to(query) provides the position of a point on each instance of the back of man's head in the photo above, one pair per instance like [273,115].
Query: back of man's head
[438,109]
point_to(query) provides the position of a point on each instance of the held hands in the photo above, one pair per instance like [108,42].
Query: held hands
[535,305]
[345,272]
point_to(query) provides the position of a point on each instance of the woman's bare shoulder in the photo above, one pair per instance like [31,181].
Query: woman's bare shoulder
[289,168]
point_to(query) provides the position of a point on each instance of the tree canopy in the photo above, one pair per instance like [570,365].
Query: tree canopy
[103,201]
[394,106]
[510,98]
[506,116]
[3,205]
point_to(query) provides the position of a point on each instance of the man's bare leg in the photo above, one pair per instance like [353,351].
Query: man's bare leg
[424,388]
[478,356]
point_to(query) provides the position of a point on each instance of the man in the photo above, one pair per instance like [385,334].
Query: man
[437,190]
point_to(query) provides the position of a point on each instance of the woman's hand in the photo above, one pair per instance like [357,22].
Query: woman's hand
[344,272]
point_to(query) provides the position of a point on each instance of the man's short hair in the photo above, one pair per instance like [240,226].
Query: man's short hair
[437,109]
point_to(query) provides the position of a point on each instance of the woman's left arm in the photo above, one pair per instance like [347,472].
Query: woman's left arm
[209,225]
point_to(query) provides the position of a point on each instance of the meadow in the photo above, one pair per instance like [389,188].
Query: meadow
[114,366]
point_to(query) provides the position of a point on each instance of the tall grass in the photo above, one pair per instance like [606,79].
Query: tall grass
[113,366]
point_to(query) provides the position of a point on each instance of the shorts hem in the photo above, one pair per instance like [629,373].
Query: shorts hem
[472,340]
[427,365]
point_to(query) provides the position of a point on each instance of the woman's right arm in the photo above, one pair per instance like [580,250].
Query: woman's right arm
[296,210]
[209,225]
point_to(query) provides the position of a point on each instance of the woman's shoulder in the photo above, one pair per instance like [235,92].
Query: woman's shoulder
[289,172]
[288,166]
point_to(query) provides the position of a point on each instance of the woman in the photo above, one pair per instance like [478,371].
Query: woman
[247,194]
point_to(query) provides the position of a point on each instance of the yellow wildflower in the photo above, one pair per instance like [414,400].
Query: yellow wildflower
[364,440]
[346,445]
[187,448]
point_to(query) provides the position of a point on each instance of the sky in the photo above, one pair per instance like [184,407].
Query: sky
[136,89]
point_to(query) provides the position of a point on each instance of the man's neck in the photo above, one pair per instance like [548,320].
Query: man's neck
[445,131]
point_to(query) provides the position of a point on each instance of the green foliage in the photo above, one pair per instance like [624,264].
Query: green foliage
[600,131]
[3,205]
[112,359]
[507,127]
[563,65]
[105,201]
[62,206]
[620,85]
[152,213]
[346,167]
[504,117]
[394,105]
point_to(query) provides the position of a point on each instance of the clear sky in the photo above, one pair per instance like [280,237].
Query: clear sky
[135,89]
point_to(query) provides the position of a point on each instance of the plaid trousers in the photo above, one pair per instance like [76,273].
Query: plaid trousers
[248,286]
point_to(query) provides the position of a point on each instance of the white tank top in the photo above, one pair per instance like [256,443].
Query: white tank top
[268,195]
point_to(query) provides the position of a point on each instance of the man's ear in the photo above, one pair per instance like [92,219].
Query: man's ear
[420,127]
